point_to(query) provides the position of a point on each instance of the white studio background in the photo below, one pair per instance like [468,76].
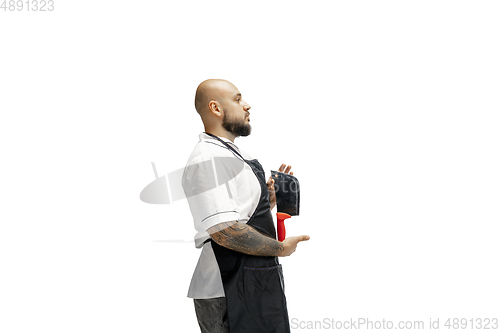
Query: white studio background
[388,112]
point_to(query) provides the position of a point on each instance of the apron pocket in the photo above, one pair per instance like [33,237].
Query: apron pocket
[264,291]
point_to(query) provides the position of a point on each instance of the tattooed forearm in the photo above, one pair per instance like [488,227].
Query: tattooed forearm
[243,238]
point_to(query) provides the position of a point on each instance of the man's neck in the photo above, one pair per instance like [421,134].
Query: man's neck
[220,132]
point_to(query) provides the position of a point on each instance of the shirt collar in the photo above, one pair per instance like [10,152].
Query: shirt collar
[205,137]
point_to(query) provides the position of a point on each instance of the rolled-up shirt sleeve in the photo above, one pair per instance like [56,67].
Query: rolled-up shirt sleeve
[210,203]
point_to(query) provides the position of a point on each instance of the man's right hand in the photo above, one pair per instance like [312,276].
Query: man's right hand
[290,244]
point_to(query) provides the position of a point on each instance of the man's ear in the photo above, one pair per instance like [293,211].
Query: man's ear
[215,108]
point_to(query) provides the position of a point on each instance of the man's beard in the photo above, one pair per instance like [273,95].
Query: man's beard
[236,128]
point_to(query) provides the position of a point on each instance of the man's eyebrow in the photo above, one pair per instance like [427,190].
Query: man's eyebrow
[238,94]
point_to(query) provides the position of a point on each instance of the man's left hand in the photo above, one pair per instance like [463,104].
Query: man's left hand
[270,184]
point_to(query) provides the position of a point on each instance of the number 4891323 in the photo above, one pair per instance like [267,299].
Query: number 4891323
[27,5]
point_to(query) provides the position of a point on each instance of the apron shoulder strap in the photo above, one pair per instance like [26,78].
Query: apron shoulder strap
[225,144]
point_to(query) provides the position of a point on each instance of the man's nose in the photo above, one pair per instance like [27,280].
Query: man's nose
[247,106]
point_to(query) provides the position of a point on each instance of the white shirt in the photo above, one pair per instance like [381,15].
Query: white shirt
[219,187]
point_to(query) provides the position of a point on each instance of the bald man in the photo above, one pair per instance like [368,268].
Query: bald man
[237,285]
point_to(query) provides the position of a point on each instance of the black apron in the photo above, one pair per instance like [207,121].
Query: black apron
[253,285]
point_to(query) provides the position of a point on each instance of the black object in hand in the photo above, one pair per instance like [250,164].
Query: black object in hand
[287,191]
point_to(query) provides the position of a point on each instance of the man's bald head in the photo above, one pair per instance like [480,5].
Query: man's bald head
[222,109]
[211,89]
